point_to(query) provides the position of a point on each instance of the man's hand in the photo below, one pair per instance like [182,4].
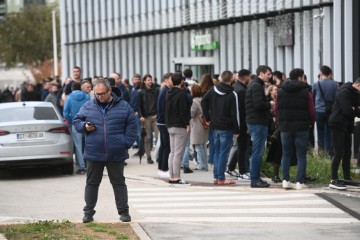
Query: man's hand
[90,127]
[188,129]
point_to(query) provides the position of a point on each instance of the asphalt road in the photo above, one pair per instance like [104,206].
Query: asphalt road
[201,211]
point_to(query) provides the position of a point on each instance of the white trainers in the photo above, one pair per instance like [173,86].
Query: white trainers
[287,185]
[300,186]
[232,174]
[163,174]
[244,177]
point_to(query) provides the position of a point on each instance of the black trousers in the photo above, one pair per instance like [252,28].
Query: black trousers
[95,171]
[341,141]
[164,149]
[241,157]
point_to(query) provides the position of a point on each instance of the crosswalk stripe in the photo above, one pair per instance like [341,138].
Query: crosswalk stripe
[217,219]
[144,194]
[242,211]
[226,197]
[223,203]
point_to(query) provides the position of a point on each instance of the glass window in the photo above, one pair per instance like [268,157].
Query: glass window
[28,114]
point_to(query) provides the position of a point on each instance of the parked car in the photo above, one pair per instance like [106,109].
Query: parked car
[34,134]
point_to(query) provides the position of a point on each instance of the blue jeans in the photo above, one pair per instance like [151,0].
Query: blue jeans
[211,146]
[300,141]
[201,156]
[222,143]
[258,135]
[186,156]
[323,131]
[164,149]
[78,142]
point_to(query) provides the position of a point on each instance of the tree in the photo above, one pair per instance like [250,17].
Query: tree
[26,37]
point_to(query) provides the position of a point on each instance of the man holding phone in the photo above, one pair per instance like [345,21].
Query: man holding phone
[109,125]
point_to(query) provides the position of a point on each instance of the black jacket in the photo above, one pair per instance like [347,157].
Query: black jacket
[256,105]
[293,106]
[240,89]
[147,101]
[343,114]
[219,106]
[177,108]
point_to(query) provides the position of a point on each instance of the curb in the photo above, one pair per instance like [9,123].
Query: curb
[2,237]
[138,230]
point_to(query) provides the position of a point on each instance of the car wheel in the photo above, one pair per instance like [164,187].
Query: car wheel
[68,168]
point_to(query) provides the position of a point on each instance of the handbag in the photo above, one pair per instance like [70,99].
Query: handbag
[328,104]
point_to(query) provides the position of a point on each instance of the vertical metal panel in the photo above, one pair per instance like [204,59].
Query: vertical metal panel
[83,21]
[103,26]
[104,58]
[306,2]
[171,11]
[262,46]
[193,9]
[207,10]
[215,9]
[137,57]
[164,14]
[97,59]
[238,51]
[157,66]
[91,57]
[280,55]
[270,61]
[129,17]
[111,57]
[338,22]
[327,37]
[165,53]
[117,55]
[246,7]
[123,19]
[171,50]
[297,3]
[136,15]
[307,52]
[186,43]
[246,54]
[316,54]
[262,6]
[63,37]
[279,4]
[97,19]
[254,6]
[223,49]
[348,42]
[271,5]
[217,67]
[298,62]
[150,15]
[178,13]
[76,20]
[151,55]
[157,15]
[124,57]
[144,56]
[200,14]
[254,45]
[230,8]
[84,60]
[109,18]
[89,19]
[116,18]
[238,7]
[130,58]
[230,56]
[71,21]
[289,57]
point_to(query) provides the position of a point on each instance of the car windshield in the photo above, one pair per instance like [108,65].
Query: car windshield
[28,114]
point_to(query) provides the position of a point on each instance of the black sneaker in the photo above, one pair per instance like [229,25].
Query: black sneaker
[276,179]
[187,170]
[125,217]
[150,161]
[336,184]
[87,218]
[259,184]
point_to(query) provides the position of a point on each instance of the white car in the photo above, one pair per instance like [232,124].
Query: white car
[34,134]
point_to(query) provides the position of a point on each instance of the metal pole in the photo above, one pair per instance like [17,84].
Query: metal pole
[54,43]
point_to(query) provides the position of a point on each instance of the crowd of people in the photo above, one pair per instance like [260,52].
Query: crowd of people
[225,122]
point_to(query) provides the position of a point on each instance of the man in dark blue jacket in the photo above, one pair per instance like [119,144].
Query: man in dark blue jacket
[109,125]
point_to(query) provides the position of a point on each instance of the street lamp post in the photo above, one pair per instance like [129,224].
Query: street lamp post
[54,43]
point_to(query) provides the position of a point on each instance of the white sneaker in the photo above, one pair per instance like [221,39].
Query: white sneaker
[287,185]
[244,177]
[232,174]
[300,186]
[165,174]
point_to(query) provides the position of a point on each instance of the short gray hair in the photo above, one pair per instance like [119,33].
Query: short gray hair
[103,81]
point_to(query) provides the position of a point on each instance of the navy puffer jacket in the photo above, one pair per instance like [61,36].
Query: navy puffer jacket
[115,130]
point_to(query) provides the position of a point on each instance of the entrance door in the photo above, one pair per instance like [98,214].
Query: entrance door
[199,70]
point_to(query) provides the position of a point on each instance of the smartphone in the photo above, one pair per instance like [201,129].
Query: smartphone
[90,124]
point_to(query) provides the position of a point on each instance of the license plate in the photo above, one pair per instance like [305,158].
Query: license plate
[30,136]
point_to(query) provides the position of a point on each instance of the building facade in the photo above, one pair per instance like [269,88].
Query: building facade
[159,36]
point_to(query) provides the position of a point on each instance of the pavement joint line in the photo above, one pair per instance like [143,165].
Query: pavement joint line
[140,232]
